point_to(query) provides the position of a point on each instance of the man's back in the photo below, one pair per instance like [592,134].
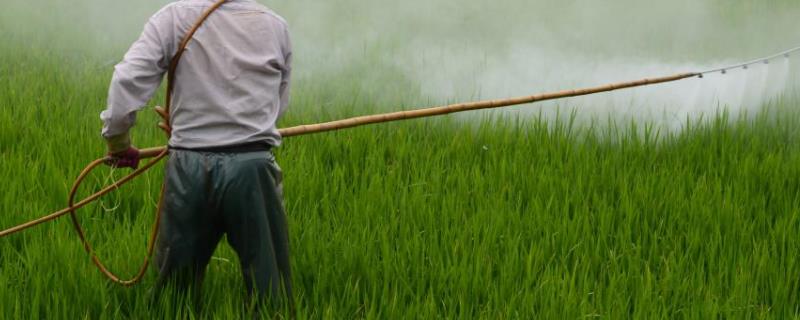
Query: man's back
[231,83]
[221,178]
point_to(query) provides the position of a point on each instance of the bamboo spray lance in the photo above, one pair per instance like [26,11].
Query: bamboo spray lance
[158,153]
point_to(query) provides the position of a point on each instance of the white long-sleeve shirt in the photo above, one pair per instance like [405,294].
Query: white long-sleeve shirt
[231,85]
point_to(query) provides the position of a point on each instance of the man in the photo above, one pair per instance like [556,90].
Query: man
[231,86]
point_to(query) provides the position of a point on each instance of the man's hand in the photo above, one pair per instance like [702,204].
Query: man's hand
[124,159]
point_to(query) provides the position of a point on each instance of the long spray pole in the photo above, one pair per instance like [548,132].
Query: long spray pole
[422,113]
[158,153]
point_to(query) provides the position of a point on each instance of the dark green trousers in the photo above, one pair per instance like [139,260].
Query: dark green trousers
[208,195]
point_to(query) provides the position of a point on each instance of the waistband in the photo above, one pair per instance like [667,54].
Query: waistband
[259,146]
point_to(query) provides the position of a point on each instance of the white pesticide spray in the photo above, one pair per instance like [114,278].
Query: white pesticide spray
[458,50]
[468,50]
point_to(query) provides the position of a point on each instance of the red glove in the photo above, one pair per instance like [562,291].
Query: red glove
[125,159]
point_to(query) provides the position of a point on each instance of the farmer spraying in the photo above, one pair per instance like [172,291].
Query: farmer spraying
[231,86]
[223,100]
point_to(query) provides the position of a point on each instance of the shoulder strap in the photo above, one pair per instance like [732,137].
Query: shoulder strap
[173,65]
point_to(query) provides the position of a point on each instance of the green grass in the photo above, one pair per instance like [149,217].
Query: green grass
[443,218]
[509,218]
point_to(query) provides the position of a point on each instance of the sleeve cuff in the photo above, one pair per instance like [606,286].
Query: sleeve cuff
[119,143]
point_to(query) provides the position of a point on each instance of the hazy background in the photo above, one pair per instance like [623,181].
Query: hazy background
[404,54]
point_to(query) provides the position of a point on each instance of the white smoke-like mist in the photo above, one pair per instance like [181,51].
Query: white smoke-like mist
[457,50]
[463,50]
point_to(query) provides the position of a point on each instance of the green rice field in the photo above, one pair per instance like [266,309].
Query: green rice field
[483,216]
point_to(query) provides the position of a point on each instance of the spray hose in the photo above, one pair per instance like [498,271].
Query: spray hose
[158,153]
